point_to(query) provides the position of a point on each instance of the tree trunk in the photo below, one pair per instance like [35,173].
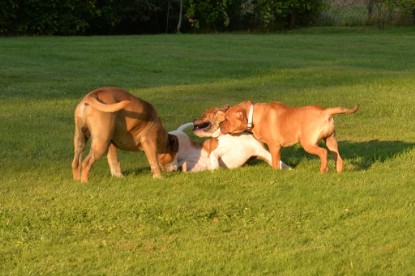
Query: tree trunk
[179,24]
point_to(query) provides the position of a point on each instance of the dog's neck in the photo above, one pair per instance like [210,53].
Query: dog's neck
[251,117]
[217,133]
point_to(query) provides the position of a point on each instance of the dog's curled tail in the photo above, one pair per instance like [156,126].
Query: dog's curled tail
[92,101]
[184,126]
[340,110]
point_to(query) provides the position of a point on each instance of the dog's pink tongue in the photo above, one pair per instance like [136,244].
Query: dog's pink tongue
[198,132]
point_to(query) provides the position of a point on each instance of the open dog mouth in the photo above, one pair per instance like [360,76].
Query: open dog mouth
[204,125]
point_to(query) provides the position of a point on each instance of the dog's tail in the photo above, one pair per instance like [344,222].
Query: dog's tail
[92,101]
[340,110]
[184,126]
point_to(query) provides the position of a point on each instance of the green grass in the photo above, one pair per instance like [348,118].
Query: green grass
[252,220]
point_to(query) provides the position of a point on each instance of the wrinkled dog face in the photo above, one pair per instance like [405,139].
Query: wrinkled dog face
[168,162]
[236,121]
[207,125]
[168,159]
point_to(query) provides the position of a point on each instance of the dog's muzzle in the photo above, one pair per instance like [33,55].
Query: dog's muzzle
[204,125]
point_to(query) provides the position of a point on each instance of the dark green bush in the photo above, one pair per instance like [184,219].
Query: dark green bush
[263,15]
[85,17]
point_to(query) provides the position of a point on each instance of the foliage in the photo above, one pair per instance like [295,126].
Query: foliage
[208,14]
[50,17]
[67,17]
[251,220]
[387,11]
[407,6]
[288,14]
[266,15]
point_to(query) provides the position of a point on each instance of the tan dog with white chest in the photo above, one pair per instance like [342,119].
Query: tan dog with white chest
[278,126]
[114,118]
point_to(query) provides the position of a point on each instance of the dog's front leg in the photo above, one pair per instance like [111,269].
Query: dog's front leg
[276,156]
[150,151]
[214,160]
[320,152]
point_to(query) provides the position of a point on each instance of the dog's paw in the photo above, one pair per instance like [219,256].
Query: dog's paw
[117,175]
[324,170]
[284,166]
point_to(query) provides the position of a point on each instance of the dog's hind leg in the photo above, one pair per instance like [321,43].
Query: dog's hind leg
[331,144]
[265,155]
[113,161]
[80,140]
[98,148]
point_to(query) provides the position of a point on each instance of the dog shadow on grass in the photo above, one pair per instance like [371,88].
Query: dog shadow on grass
[362,155]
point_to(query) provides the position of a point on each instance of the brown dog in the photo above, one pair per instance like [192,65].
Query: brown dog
[113,119]
[280,126]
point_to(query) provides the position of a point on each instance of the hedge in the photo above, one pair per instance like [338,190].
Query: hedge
[95,17]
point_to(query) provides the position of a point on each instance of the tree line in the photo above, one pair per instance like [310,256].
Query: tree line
[107,17]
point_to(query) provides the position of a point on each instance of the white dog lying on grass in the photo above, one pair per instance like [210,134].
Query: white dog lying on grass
[227,151]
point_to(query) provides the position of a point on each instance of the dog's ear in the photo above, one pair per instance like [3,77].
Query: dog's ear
[241,115]
[224,108]
[173,143]
[220,116]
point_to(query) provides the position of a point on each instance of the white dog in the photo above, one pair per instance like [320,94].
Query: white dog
[227,151]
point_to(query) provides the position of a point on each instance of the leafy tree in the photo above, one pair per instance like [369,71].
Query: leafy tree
[267,15]
[84,17]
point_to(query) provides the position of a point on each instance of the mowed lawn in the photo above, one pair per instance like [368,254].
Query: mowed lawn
[251,220]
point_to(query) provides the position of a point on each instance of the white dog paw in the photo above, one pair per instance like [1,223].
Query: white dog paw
[284,166]
[117,175]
